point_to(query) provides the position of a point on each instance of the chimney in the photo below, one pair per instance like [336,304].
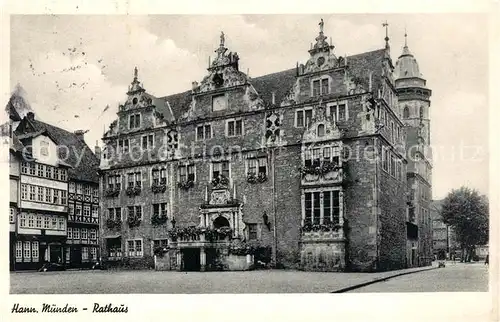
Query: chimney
[97,151]
[273,98]
[30,116]
[80,134]
[194,84]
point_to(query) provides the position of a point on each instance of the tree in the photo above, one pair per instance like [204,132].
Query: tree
[467,212]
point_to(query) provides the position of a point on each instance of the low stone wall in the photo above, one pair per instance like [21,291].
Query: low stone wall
[322,256]
[238,262]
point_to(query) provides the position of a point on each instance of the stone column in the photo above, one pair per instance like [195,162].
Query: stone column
[203,259]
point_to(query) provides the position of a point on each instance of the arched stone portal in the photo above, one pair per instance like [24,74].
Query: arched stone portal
[221,221]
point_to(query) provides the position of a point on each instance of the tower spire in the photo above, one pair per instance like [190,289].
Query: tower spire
[386,25]
[406,36]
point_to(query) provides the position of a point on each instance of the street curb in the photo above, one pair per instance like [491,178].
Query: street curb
[350,288]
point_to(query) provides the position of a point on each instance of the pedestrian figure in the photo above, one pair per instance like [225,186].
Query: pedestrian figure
[487,260]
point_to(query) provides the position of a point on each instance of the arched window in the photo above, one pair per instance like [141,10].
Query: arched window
[406,112]
[321,130]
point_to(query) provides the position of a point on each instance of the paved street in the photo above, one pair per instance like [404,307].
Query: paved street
[458,277]
[123,282]
[454,277]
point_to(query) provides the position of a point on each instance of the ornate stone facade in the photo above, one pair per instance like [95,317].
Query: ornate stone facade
[300,168]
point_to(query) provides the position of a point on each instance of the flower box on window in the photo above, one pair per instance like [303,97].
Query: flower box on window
[133,191]
[253,178]
[133,221]
[185,185]
[159,188]
[308,227]
[220,181]
[157,220]
[112,192]
[113,223]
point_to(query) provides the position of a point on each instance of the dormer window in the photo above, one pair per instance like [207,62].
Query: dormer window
[134,121]
[320,86]
[321,130]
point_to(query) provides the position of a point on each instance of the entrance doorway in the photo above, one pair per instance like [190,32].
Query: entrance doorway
[56,254]
[191,259]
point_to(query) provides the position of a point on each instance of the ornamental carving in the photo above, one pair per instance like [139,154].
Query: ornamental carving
[274,132]
[291,96]
[220,197]
[321,128]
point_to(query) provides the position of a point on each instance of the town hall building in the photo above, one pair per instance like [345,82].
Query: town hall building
[304,168]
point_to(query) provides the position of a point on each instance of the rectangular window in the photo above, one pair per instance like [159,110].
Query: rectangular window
[84,234]
[34,251]
[56,174]
[95,192]
[336,207]
[46,222]
[86,211]
[130,180]
[32,193]
[76,233]
[48,172]
[41,169]
[85,253]
[95,211]
[234,128]
[63,174]
[19,251]
[78,209]
[61,223]
[131,248]
[93,253]
[71,209]
[72,187]
[24,191]
[24,168]
[252,232]
[31,221]
[134,121]
[64,198]
[79,188]
[308,207]
[155,175]
[316,89]
[138,212]
[55,196]
[325,88]
[327,207]
[385,163]
[70,233]
[86,190]
[53,222]
[316,158]
[220,168]
[93,234]
[393,166]
[138,179]
[203,132]
[157,243]
[316,208]
[187,173]
[118,182]
[27,251]
[148,141]
[40,195]
[22,221]
[343,116]
[303,117]
[32,169]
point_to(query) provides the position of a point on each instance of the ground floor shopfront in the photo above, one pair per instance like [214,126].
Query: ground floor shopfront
[30,252]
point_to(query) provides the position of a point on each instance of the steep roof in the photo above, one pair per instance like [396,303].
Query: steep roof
[279,83]
[86,169]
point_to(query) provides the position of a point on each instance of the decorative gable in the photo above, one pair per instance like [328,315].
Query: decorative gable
[321,128]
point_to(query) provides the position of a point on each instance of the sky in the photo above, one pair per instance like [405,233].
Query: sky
[73,66]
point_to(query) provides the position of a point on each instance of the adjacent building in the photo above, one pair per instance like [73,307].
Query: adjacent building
[52,172]
[303,168]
